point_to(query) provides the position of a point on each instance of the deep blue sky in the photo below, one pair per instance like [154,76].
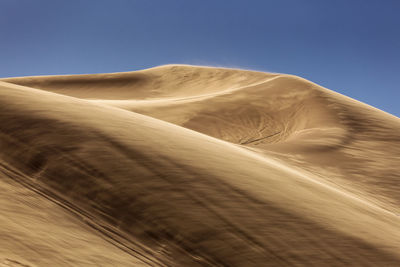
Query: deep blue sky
[350,46]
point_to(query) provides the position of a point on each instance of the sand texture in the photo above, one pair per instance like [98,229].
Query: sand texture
[195,166]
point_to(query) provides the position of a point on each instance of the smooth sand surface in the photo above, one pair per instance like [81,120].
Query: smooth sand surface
[183,166]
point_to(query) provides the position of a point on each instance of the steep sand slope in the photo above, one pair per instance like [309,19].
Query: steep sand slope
[37,232]
[345,142]
[180,197]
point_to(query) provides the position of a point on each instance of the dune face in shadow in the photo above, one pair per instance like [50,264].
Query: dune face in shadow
[183,165]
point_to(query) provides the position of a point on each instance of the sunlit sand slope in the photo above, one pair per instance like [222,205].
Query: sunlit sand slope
[346,142]
[224,167]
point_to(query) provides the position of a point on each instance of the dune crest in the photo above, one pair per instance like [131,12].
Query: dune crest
[184,165]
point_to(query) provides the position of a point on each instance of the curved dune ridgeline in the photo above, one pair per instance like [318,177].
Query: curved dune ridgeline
[182,165]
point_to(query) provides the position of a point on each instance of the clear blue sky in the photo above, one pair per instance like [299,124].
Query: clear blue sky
[350,46]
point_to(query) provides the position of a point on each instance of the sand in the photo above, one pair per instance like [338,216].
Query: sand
[183,166]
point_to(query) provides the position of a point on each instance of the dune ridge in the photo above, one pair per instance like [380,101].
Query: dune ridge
[208,166]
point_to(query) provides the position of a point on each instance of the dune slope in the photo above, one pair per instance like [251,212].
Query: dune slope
[222,168]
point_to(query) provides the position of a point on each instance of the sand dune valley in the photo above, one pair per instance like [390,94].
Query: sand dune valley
[183,165]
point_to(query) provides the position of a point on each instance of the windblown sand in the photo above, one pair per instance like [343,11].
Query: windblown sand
[195,166]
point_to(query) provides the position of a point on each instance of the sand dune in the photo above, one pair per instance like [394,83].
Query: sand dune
[183,165]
